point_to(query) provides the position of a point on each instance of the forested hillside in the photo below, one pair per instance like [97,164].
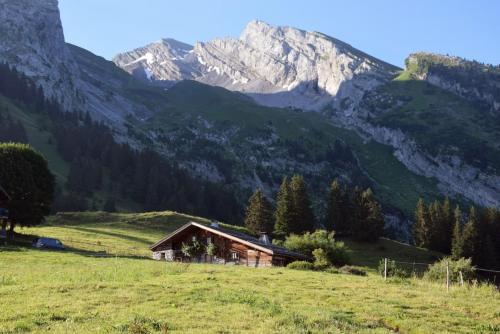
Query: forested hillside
[96,172]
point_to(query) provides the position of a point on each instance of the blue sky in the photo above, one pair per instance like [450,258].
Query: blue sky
[387,29]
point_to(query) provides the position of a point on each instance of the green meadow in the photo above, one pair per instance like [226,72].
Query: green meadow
[103,283]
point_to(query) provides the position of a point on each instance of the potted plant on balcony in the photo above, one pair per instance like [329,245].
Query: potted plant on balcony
[193,249]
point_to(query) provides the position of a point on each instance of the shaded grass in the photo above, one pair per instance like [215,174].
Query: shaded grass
[369,255]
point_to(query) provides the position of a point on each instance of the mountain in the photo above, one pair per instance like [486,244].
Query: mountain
[215,110]
[32,40]
[277,66]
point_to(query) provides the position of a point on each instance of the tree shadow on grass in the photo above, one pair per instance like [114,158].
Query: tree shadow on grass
[22,243]
[113,234]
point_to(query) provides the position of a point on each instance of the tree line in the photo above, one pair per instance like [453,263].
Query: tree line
[351,211]
[476,235]
[99,164]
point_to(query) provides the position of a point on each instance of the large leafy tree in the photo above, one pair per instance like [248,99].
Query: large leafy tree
[303,216]
[25,175]
[259,216]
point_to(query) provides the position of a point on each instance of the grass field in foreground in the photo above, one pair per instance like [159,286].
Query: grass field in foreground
[76,292]
[52,292]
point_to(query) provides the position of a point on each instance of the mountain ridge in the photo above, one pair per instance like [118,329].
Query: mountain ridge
[295,70]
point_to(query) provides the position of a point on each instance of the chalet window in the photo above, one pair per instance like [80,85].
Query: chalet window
[235,256]
[209,240]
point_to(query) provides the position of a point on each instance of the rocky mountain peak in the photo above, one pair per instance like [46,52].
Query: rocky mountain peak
[277,66]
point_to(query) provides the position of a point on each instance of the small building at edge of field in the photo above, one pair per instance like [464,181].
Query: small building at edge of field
[231,247]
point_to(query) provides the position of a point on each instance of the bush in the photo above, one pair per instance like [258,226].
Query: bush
[392,269]
[336,252]
[352,271]
[321,261]
[437,271]
[300,265]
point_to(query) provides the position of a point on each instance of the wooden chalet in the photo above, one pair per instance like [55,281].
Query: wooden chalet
[231,247]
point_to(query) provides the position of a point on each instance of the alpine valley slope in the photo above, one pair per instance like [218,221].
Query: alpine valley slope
[440,114]
[226,136]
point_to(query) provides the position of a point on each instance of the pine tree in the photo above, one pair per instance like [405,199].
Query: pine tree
[490,218]
[369,222]
[435,226]
[303,217]
[284,207]
[259,217]
[469,236]
[457,244]
[421,225]
[336,211]
[447,226]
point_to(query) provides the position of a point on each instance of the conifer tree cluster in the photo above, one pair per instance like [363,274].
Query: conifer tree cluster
[353,212]
[293,214]
[474,235]
[434,225]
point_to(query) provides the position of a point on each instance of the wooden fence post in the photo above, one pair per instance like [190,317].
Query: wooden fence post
[461,278]
[447,276]
[385,269]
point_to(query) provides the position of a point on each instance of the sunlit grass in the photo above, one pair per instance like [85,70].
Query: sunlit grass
[52,292]
[78,291]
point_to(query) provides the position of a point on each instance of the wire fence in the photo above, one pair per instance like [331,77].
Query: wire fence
[450,275]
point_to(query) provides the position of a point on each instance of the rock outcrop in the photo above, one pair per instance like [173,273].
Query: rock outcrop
[33,42]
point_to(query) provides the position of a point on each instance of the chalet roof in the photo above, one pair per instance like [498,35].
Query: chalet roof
[3,192]
[236,236]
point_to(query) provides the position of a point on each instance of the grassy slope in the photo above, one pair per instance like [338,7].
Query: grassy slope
[37,128]
[61,292]
[394,184]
